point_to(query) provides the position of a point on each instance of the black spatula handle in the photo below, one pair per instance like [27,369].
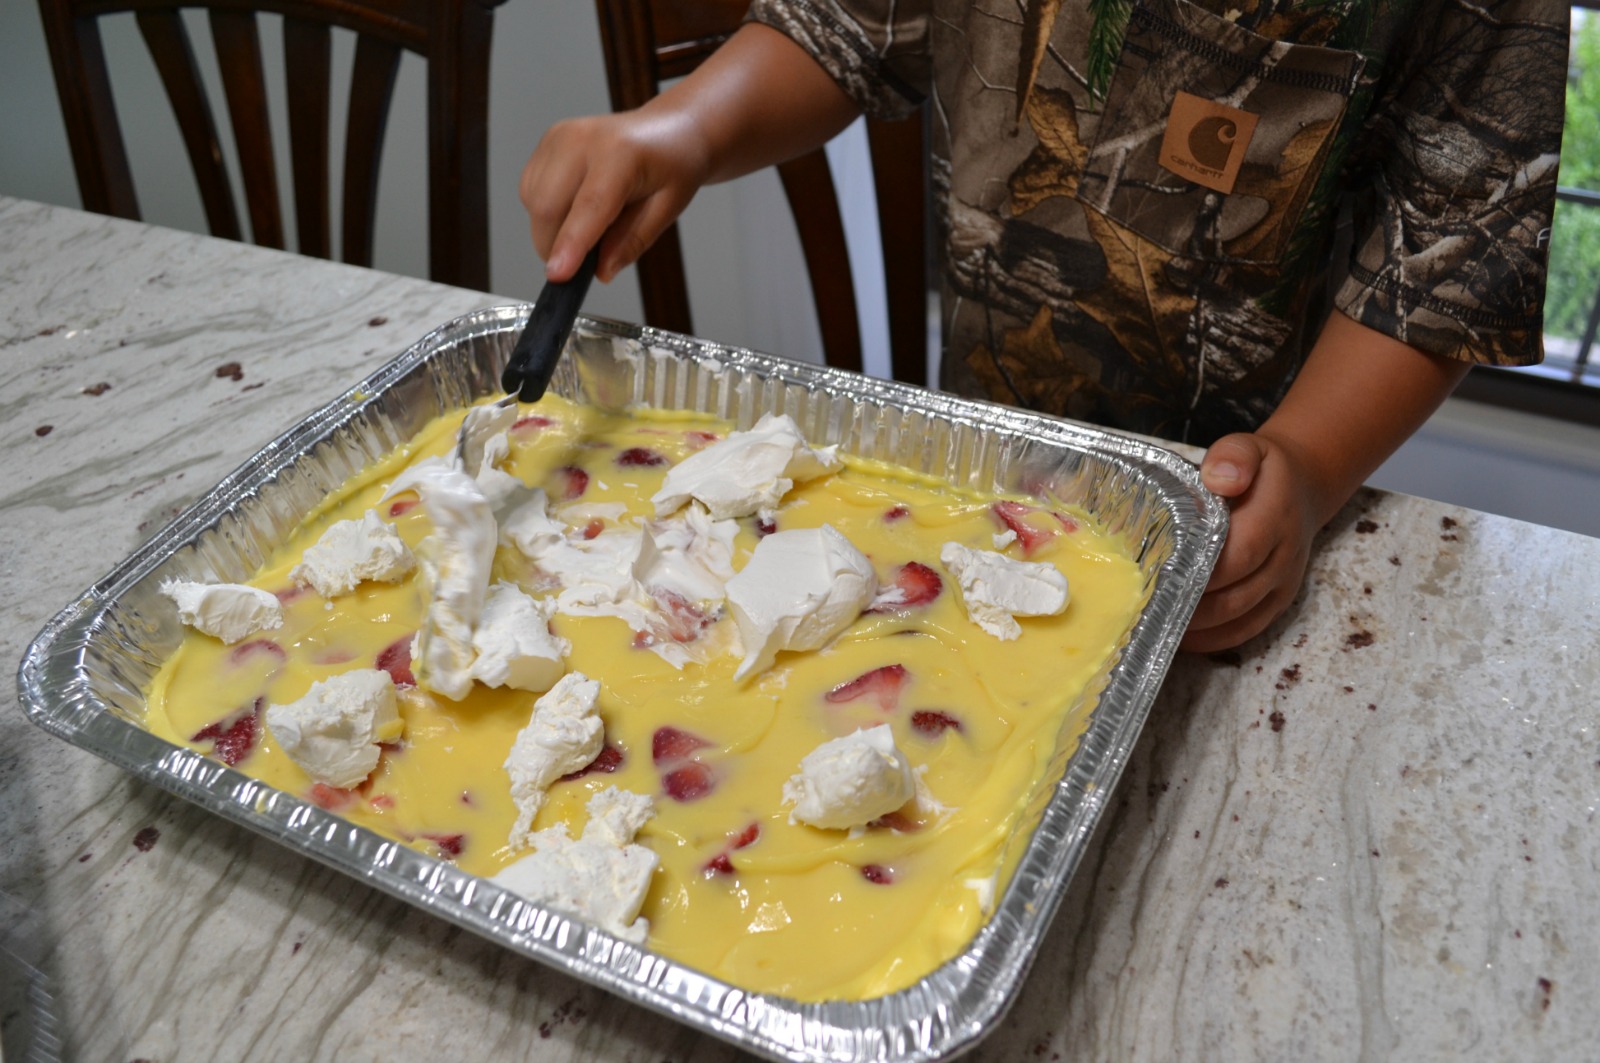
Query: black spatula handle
[533,359]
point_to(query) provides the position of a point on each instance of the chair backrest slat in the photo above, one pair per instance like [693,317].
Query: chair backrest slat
[164,34]
[244,84]
[371,87]
[307,67]
[452,36]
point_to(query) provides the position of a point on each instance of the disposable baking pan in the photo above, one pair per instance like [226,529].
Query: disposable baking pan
[83,678]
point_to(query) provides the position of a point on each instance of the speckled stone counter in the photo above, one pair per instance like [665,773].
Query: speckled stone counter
[1368,834]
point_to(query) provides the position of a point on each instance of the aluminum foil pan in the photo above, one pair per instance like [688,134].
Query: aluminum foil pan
[83,678]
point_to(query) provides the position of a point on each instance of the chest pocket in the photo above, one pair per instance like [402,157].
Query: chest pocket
[1213,137]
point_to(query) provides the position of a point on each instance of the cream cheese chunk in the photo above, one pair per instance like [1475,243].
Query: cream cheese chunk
[850,781]
[996,589]
[603,876]
[334,731]
[799,589]
[565,733]
[458,557]
[226,611]
[748,472]
[513,642]
[351,552]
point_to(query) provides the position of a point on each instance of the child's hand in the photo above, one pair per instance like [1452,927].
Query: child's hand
[624,176]
[1274,515]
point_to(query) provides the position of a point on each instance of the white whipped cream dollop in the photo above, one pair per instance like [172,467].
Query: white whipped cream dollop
[748,472]
[996,589]
[514,645]
[799,589]
[351,552]
[459,555]
[564,734]
[602,877]
[226,611]
[333,731]
[850,781]
[530,528]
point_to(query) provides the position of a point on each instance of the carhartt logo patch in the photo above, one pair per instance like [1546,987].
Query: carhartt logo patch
[1205,141]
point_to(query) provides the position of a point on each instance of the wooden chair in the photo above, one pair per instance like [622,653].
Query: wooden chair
[647,42]
[453,36]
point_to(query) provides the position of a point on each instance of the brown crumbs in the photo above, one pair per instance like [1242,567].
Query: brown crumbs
[1221,882]
[377,321]
[145,840]
[1359,640]
[1394,559]
[1276,719]
[231,371]
[44,430]
[97,389]
[1366,527]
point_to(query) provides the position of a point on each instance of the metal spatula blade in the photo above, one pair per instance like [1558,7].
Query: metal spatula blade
[538,349]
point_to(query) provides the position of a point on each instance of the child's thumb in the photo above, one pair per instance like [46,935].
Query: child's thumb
[1230,465]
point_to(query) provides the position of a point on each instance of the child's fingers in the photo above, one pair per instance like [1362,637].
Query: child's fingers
[1231,464]
[639,225]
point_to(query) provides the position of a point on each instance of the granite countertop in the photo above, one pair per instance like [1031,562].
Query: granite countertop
[1368,834]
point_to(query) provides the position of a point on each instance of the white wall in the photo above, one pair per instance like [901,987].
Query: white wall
[745,269]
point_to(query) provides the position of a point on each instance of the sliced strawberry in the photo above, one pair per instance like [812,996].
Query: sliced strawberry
[700,439]
[333,656]
[292,593]
[332,798]
[593,529]
[896,821]
[1068,525]
[383,802]
[636,457]
[914,584]
[254,648]
[531,423]
[747,836]
[401,506]
[670,744]
[877,874]
[693,780]
[609,760]
[395,659]
[894,513]
[934,722]
[685,619]
[1014,516]
[765,526]
[569,482]
[450,845]
[234,736]
[722,863]
[882,684]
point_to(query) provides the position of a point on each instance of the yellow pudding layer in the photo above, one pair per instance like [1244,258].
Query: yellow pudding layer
[741,893]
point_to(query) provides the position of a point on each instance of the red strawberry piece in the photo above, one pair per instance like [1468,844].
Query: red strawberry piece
[592,529]
[256,648]
[882,684]
[609,760]
[914,584]
[570,483]
[450,845]
[895,513]
[635,457]
[381,801]
[877,874]
[720,864]
[234,736]
[933,722]
[896,821]
[291,594]
[401,506]
[332,656]
[1068,525]
[747,836]
[395,659]
[1014,516]
[689,782]
[670,744]
[332,798]
[531,423]
[765,526]
[685,620]
[467,799]
[699,439]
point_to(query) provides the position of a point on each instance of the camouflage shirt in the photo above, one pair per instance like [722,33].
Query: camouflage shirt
[1147,208]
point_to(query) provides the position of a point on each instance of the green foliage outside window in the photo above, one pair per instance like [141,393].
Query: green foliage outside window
[1575,238]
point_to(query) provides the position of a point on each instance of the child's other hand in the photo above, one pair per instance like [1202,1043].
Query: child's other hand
[625,177]
[1272,520]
